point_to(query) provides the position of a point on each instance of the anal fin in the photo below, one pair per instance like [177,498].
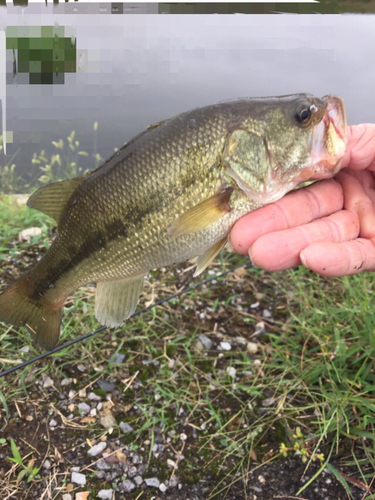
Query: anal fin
[209,255]
[117,300]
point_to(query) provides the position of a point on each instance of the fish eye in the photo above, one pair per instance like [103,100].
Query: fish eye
[303,115]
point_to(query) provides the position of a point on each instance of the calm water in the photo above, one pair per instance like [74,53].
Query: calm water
[134,70]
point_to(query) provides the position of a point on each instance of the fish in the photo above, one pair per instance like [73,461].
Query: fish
[170,194]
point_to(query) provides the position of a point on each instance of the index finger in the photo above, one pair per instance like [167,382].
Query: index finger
[296,208]
[360,151]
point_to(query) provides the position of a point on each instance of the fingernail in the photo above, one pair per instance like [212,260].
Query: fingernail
[303,259]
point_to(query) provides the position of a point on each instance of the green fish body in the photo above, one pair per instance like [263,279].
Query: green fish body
[172,193]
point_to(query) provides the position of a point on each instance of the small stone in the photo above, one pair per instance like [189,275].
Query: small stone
[152,482]
[132,471]
[102,465]
[81,368]
[78,478]
[225,346]
[106,386]
[82,393]
[108,420]
[266,313]
[252,347]
[67,496]
[47,382]
[94,397]
[71,394]
[257,362]
[138,480]
[121,457]
[240,340]
[25,349]
[231,371]
[119,358]
[106,494]
[74,469]
[261,479]
[66,381]
[93,412]
[162,488]
[82,495]
[52,423]
[125,427]
[205,342]
[183,436]
[128,486]
[136,459]
[47,464]
[84,407]
[96,449]
[255,305]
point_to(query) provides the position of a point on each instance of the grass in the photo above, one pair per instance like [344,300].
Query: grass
[308,390]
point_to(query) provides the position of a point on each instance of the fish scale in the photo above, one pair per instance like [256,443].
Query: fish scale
[170,194]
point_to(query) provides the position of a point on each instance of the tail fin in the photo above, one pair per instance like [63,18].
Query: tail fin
[43,321]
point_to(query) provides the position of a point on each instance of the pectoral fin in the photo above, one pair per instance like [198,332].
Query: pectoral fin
[52,199]
[202,215]
[209,255]
[117,300]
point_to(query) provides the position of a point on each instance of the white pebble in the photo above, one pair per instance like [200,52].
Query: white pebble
[84,407]
[52,423]
[225,346]
[183,436]
[162,488]
[78,478]
[96,449]
[47,382]
[47,464]
[81,368]
[106,494]
[231,371]
[252,347]
[266,313]
[66,381]
[153,482]
[256,304]
[138,480]
[94,397]
[67,496]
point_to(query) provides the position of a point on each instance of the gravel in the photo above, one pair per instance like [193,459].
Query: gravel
[105,494]
[78,478]
[96,449]
[125,427]
[153,482]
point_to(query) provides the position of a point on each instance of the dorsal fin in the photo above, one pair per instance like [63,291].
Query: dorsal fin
[52,199]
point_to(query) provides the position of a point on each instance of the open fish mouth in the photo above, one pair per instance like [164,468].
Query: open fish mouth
[330,138]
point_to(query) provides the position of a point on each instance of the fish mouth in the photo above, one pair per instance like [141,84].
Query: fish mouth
[329,140]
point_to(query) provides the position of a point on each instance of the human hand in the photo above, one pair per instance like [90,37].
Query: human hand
[329,227]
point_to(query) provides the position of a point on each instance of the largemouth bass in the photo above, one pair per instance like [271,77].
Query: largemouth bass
[170,194]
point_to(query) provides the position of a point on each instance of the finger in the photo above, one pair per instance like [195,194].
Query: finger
[296,208]
[360,151]
[282,249]
[357,200]
[340,259]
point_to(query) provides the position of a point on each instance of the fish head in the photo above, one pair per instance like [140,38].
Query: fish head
[294,139]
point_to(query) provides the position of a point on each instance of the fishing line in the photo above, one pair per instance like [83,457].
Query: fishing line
[139,311]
